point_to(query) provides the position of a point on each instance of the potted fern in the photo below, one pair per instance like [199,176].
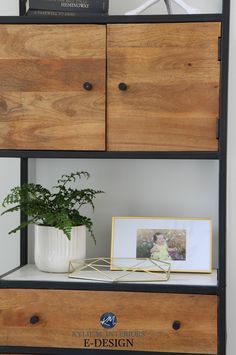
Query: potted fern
[60,229]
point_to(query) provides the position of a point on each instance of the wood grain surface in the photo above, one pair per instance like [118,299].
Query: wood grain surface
[43,104]
[172,101]
[68,318]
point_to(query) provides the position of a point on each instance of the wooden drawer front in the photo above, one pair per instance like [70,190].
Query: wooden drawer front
[71,319]
[43,104]
[172,100]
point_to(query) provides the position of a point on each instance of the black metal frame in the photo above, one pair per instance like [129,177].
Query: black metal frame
[120,287]
[22,7]
[66,351]
[106,19]
[223,179]
[219,290]
[23,217]
[51,154]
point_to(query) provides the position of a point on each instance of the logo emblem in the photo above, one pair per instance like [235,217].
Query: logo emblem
[108,320]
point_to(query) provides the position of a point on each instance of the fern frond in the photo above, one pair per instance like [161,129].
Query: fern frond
[12,209]
[58,209]
[21,226]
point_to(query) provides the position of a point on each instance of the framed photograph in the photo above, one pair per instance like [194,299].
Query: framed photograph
[183,242]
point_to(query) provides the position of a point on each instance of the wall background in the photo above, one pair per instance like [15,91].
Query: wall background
[11,8]
[9,245]
[197,180]
[140,188]
[121,6]
[231,249]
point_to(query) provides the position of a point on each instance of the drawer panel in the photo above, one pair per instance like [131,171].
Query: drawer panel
[109,320]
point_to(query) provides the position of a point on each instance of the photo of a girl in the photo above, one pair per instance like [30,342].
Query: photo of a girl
[161,244]
[160,249]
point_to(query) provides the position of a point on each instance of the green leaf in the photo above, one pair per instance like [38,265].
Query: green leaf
[58,209]
[21,226]
[12,209]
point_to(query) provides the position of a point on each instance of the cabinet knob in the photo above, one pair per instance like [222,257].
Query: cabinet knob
[176,325]
[122,87]
[34,320]
[88,86]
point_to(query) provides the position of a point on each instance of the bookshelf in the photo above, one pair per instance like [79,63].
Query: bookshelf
[204,291]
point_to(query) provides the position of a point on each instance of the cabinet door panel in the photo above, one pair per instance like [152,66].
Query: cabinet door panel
[72,319]
[43,104]
[172,98]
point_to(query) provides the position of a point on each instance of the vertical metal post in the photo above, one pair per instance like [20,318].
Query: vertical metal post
[22,7]
[223,179]
[23,217]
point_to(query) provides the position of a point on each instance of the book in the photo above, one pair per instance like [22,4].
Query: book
[57,13]
[89,6]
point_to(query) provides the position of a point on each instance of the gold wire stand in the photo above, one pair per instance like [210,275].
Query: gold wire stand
[99,269]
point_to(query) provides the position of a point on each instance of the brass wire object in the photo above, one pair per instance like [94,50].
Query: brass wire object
[100,269]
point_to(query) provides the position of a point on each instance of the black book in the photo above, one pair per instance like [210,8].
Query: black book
[58,13]
[90,6]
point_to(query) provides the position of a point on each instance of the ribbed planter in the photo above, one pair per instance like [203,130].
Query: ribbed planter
[53,251]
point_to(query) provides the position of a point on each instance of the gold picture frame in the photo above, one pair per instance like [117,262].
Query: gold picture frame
[198,245]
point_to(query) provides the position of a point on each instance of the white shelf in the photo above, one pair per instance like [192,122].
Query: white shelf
[31,273]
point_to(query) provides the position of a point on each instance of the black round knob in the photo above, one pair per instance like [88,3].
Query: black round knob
[34,320]
[122,87]
[88,86]
[176,325]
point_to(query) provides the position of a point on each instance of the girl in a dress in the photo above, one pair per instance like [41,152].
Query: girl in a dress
[160,249]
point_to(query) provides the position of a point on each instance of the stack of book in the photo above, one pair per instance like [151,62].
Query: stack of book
[66,7]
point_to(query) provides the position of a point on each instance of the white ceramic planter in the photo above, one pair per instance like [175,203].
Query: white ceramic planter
[53,251]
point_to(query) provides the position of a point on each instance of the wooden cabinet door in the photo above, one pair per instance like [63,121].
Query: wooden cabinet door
[43,104]
[171,102]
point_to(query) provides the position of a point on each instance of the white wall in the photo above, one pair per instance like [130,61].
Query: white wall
[9,245]
[9,7]
[119,7]
[170,188]
[231,237]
